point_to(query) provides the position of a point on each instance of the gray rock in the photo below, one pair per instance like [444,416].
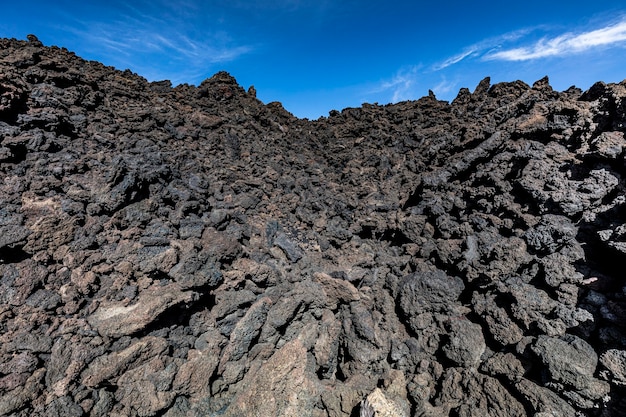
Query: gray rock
[468,393]
[269,390]
[144,271]
[614,361]
[499,322]
[246,330]
[608,145]
[569,360]
[429,291]
[26,341]
[63,407]
[12,234]
[120,319]
[566,357]
[288,246]
[44,299]
[111,366]
[544,400]
[551,234]
[504,365]
[196,270]
[466,343]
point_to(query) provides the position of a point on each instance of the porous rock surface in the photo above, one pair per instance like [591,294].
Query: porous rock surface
[191,251]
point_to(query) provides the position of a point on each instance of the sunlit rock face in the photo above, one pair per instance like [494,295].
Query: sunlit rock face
[191,251]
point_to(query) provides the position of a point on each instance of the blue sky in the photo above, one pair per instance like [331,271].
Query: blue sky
[315,56]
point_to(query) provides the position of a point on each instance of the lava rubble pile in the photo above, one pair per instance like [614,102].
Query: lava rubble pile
[191,251]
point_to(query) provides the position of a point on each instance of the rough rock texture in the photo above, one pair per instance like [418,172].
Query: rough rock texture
[191,251]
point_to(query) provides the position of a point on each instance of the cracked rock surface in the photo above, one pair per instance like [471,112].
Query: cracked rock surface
[191,251]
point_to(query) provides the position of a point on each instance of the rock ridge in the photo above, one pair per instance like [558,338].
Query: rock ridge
[192,251]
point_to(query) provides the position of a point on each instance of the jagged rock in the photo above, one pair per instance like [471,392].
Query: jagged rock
[193,377]
[20,396]
[12,234]
[570,361]
[120,319]
[552,233]
[608,145]
[191,251]
[114,364]
[335,289]
[469,393]
[615,362]
[245,331]
[281,386]
[423,294]
[466,343]
[504,365]
[499,322]
[326,348]
[145,389]
[377,404]
[544,400]
[289,247]
[567,358]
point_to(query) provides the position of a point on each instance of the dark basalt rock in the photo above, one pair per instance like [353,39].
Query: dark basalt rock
[191,251]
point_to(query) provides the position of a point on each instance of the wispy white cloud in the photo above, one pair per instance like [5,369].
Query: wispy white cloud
[565,44]
[455,59]
[445,86]
[520,45]
[516,46]
[412,82]
[479,48]
[401,86]
[130,39]
[280,5]
[158,44]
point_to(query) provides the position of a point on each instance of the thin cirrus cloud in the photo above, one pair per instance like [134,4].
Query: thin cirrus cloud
[456,58]
[566,44]
[517,46]
[140,41]
[445,86]
[405,83]
[478,49]
[401,86]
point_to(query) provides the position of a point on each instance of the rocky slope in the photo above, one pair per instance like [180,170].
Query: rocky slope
[190,251]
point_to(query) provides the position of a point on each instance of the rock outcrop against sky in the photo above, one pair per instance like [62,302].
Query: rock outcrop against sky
[191,251]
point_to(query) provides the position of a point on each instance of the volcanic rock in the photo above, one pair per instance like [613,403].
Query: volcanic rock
[191,251]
